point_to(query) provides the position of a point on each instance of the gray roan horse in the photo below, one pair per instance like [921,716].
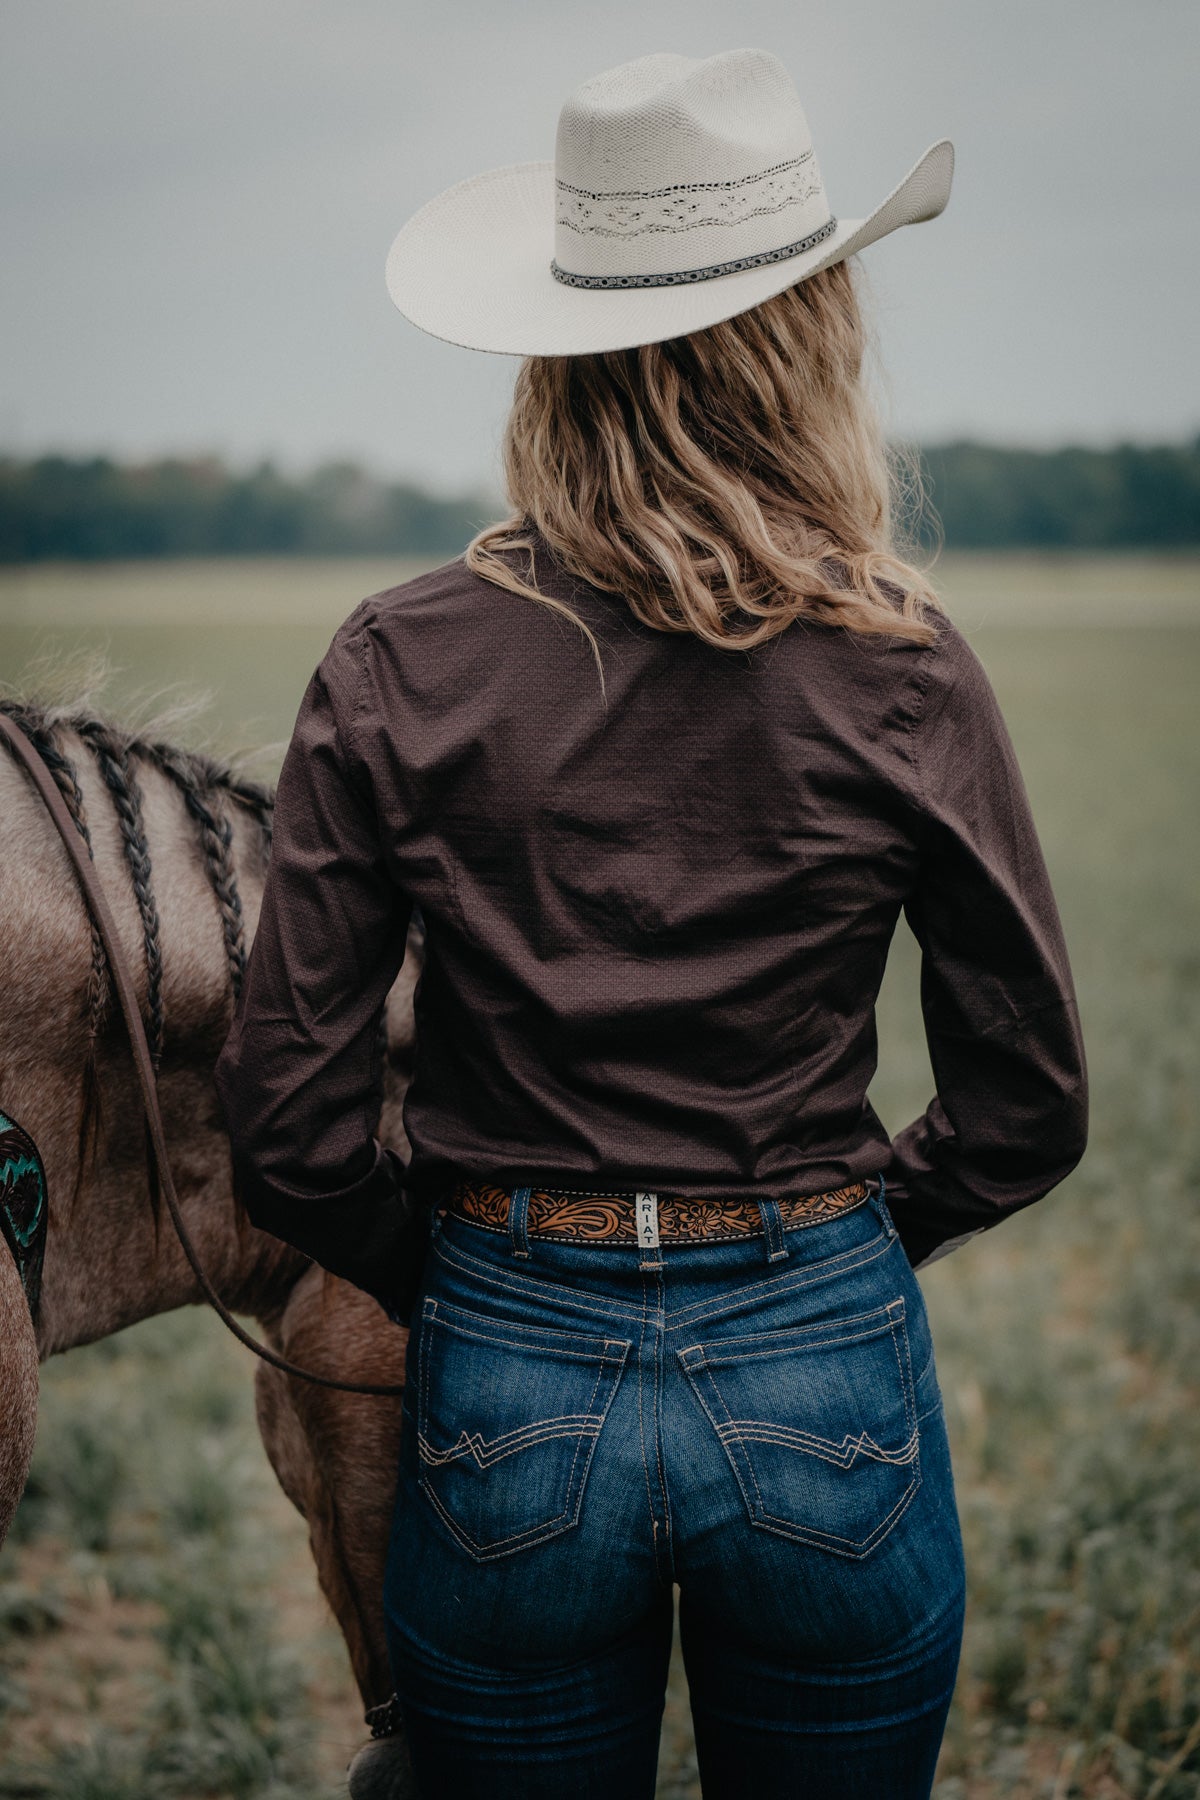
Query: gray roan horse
[181,842]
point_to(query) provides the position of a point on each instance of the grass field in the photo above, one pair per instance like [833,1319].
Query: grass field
[160,1628]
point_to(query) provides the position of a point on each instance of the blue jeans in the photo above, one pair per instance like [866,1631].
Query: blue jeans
[587,1425]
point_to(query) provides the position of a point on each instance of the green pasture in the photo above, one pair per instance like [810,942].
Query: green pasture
[160,1628]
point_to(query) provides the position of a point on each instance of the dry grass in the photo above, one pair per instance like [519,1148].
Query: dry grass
[187,1651]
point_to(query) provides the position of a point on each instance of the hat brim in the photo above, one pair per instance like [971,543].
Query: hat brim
[473,267]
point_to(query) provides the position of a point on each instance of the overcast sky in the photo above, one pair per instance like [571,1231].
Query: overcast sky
[199,195]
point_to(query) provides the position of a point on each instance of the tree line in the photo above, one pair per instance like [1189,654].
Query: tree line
[977,496]
[1130,497]
[93,509]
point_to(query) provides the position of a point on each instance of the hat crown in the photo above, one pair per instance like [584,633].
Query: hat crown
[647,123]
[673,164]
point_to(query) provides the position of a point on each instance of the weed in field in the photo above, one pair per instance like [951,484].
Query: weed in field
[232,1718]
[77,1480]
[14,1696]
[104,1767]
[200,1498]
[224,1712]
[170,1661]
[239,1759]
[217,1641]
[25,1612]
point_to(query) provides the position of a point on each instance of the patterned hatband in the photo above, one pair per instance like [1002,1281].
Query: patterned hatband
[684,277]
[572,1214]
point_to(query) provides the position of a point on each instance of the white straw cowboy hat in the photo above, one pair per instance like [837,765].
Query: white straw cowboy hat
[682,192]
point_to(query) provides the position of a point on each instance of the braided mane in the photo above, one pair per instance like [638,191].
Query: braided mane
[209,787]
[213,791]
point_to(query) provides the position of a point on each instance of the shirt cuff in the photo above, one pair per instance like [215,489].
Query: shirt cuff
[370,1233]
[921,1240]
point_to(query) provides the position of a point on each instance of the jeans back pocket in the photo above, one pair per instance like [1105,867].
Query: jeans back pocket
[819,1423]
[508,1416]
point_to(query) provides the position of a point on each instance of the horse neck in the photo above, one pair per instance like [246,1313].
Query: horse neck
[113,1258]
[110,1261]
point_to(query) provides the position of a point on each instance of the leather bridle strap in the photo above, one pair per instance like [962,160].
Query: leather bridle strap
[89,880]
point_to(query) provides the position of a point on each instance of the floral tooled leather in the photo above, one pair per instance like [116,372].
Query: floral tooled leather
[598,1217]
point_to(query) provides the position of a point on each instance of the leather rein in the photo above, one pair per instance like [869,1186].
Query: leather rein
[85,868]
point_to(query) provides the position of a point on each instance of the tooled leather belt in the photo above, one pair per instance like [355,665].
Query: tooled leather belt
[612,1218]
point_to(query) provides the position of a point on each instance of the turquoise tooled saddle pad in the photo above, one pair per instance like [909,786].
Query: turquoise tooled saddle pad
[23,1205]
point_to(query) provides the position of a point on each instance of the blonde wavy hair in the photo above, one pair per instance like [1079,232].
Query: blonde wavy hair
[724,483]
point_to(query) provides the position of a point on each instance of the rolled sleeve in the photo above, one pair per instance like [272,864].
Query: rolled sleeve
[299,1079]
[1010,1115]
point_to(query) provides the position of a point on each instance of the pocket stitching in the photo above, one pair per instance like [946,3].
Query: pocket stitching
[807,1442]
[502,1546]
[442,1458]
[814,1534]
[546,1528]
[716,1427]
[831,1539]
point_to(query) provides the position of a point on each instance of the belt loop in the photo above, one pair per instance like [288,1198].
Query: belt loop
[518,1220]
[889,1224]
[772,1222]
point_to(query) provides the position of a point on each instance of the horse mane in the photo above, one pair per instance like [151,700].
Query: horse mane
[209,787]
[203,781]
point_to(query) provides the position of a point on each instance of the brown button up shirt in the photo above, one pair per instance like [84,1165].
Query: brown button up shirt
[656,927]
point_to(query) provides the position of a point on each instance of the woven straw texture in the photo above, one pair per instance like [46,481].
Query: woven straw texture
[683,192]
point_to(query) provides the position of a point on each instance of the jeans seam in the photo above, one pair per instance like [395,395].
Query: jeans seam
[816,1335]
[908,1387]
[803,1276]
[659,1358]
[641,1412]
[514,1284]
[781,1282]
[607,1339]
[594,1435]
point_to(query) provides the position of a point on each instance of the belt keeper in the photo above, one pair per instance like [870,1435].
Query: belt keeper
[772,1222]
[518,1221]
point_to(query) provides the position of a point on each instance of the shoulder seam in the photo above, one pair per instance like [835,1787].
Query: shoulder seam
[923,678]
[355,624]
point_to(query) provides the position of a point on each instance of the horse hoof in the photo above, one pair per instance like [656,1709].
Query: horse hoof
[382,1771]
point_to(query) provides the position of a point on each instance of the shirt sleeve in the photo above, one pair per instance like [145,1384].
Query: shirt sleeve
[299,1079]
[1010,1115]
